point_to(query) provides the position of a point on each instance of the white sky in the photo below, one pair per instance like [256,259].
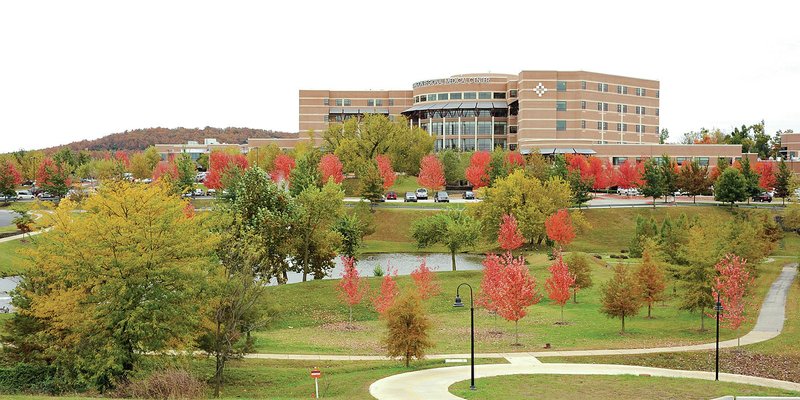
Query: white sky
[83,69]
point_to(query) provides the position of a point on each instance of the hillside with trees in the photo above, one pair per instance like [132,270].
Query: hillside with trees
[140,139]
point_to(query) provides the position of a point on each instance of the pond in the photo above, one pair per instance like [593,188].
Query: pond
[6,286]
[6,217]
[404,263]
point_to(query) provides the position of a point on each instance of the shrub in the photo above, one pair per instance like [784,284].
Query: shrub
[167,384]
[377,271]
[29,378]
[597,256]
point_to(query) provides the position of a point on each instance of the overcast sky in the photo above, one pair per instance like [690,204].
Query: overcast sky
[83,69]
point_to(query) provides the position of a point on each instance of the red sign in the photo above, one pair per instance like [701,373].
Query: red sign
[315,373]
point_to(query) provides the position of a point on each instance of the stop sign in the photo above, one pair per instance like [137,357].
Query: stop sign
[316,373]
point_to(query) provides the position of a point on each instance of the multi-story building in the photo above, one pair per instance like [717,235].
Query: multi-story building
[608,116]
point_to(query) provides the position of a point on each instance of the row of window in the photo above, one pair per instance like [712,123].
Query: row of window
[561,86]
[621,108]
[348,102]
[463,96]
[703,161]
[468,144]
[467,128]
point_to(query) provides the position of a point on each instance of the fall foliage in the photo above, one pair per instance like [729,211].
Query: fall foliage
[630,174]
[508,288]
[385,170]
[9,178]
[165,168]
[651,281]
[425,281]
[477,173]
[282,167]
[621,295]
[407,326]
[220,164]
[351,287]
[579,267]
[766,174]
[431,172]
[559,283]
[559,227]
[509,235]
[331,168]
[388,292]
[731,286]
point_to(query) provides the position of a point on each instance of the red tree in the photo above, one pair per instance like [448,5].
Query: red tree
[9,178]
[188,210]
[559,283]
[51,174]
[630,174]
[331,167]
[219,164]
[559,227]
[731,285]
[515,288]
[766,174]
[431,172]
[351,287]
[515,159]
[579,163]
[425,281]
[388,292]
[509,235]
[600,173]
[282,166]
[122,157]
[477,173]
[386,171]
[165,168]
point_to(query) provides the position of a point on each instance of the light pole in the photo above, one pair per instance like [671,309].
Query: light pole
[458,303]
[718,308]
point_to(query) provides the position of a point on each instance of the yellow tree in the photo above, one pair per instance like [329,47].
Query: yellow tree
[407,326]
[112,284]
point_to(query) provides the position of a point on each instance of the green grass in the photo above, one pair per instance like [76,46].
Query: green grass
[11,263]
[618,387]
[314,320]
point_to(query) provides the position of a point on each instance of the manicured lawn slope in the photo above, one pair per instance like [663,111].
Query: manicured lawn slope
[11,263]
[622,387]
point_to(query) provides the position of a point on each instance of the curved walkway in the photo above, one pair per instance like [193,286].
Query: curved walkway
[434,383]
[769,325]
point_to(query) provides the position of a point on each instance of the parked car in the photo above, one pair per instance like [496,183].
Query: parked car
[441,197]
[46,196]
[762,197]
[211,192]
[469,195]
[391,196]
[198,192]
[380,199]
[24,195]
[9,198]
[422,194]
[410,197]
[680,193]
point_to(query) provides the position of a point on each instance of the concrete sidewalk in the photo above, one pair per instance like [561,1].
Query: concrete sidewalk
[433,384]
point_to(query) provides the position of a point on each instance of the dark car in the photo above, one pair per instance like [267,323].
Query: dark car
[762,197]
[391,196]
[410,197]
[422,194]
[469,195]
[441,197]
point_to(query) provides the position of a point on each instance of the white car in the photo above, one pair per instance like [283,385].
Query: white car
[24,195]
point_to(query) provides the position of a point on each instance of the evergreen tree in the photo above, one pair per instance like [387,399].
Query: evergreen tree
[751,179]
[559,167]
[654,184]
[669,175]
[651,280]
[645,229]
[580,187]
[783,180]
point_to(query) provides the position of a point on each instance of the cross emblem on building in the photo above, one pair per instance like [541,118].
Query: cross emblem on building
[540,89]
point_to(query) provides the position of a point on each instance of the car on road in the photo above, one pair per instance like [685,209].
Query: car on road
[441,197]
[469,195]
[410,197]
[211,192]
[762,197]
[24,195]
[379,199]
[9,198]
[391,196]
[46,196]
[198,192]
[422,194]
[680,193]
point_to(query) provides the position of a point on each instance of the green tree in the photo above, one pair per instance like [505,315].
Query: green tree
[559,168]
[528,199]
[645,229]
[203,161]
[95,306]
[350,229]
[663,136]
[371,182]
[783,179]
[669,174]
[537,166]
[143,163]
[454,229]
[305,173]
[267,212]
[407,327]
[730,187]
[654,184]
[579,187]
[318,210]
[701,251]
[187,172]
[621,295]
[579,267]
[453,166]
[750,177]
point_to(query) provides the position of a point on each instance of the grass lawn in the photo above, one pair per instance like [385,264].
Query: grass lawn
[778,358]
[10,261]
[598,387]
[314,320]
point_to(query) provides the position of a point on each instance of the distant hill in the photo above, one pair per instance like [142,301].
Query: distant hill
[140,139]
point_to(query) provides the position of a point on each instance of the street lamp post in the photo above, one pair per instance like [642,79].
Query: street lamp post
[458,303]
[718,308]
